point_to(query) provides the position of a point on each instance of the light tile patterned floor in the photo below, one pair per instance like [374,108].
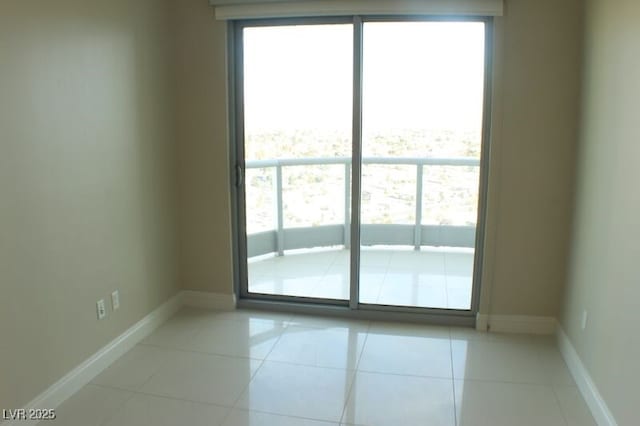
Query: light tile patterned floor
[432,277]
[244,368]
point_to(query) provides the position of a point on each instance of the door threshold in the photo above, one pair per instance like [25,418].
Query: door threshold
[366,312]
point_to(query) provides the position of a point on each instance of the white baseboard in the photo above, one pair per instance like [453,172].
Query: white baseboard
[588,389]
[202,299]
[73,381]
[516,324]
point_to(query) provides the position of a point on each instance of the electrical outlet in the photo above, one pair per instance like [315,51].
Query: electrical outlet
[115,300]
[584,319]
[102,309]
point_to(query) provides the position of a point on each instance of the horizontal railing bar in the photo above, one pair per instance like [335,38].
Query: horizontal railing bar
[257,164]
[432,161]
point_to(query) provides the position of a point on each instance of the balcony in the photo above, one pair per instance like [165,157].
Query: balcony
[405,264]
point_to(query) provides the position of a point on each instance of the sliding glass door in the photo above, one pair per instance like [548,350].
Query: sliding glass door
[423,97]
[381,117]
[297,87]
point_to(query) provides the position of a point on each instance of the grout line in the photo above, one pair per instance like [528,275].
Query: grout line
[445,270]
[174,398]
[284,330]
[120,407]
[244,389]
[199,352]
[366,337]
[226,416]
[446,280]
[562,413]
[324,275]
[415,376]
[384,280]
[355,374]
[229,409]
[160,366]
[329,325]
[453,381]
[297,364]
[213,315]
[506,382]
[291,416]
[235,403]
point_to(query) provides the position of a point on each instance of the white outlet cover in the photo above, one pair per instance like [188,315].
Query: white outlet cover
[115,300]
[101,309]
[584,319]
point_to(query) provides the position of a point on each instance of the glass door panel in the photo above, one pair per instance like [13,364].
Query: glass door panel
[423,97]
[297,87]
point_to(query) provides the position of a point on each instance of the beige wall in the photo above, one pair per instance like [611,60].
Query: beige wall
[535,113]
[85,180]
[537,84]
[201,104]
[604,277]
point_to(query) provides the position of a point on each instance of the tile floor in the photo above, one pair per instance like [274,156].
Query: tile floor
[432,277]
[244,368]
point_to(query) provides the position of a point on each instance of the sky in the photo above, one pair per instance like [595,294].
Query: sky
[416,75]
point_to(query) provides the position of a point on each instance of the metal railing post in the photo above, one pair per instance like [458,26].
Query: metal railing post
[347,203]
[417,236]
[279,212]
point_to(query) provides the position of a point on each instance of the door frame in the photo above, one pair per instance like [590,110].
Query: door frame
[346,308]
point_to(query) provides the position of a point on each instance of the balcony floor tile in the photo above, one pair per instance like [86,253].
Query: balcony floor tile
[430,278]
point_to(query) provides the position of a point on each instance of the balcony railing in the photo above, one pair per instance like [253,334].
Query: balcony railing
[282,238]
